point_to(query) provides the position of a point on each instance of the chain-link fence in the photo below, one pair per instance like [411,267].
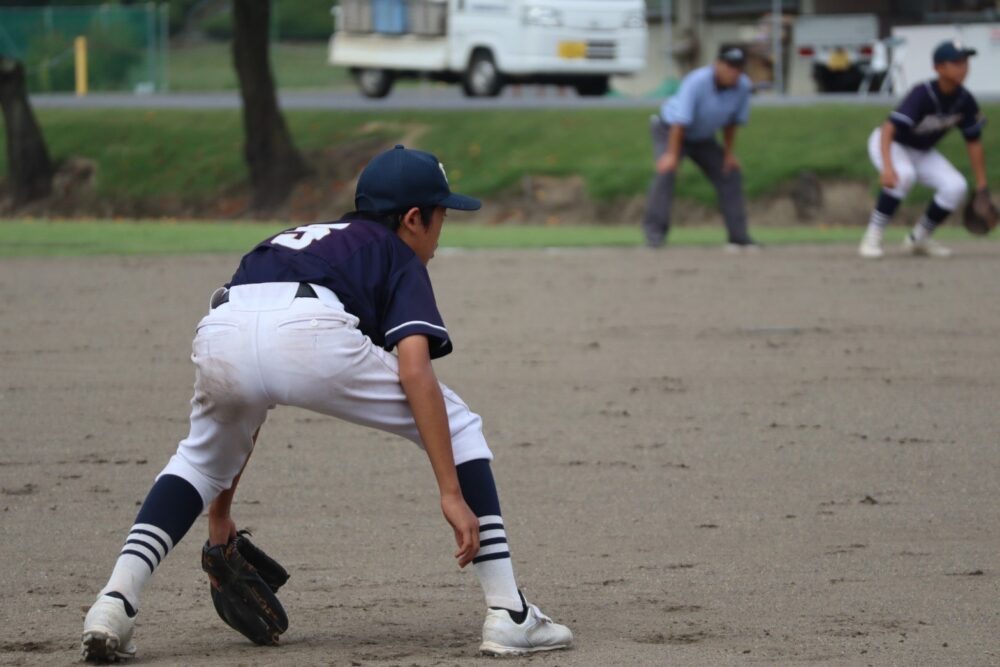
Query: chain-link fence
[126,46]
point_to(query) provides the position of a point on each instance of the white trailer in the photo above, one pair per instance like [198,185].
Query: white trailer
[485,44]
[917,42]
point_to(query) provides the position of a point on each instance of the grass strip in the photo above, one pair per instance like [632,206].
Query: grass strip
[36,238]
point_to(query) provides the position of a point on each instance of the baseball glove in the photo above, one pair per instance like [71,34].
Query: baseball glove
[244,582]
[980,214]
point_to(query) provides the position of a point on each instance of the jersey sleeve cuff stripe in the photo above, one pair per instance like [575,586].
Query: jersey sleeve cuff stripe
[974,128]
[901,117]
[415,323]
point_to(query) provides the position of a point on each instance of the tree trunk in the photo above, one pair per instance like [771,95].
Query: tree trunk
[275,165]
[28,165]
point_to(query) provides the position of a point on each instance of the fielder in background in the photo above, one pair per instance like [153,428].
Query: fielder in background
[902,149]
[309,319]
[710,98]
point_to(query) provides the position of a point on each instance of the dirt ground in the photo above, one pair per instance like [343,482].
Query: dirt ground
[788,458]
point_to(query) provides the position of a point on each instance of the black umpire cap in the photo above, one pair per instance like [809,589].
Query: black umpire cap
[733,55]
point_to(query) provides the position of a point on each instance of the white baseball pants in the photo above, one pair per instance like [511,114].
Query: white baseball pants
[265,348]
[928,168]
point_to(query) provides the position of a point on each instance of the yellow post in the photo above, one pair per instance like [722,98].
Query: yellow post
[80,49]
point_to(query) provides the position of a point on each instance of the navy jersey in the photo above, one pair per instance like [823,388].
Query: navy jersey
[372,271]
[925,115]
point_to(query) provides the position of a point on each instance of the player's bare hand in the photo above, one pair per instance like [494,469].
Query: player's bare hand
[466,527]
[220,529]
[666,163]
[888,178]
[730,163]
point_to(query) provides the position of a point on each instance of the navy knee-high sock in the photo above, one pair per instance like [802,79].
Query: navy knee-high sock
[167,514]
[492,563]
[929,221]
[884,209]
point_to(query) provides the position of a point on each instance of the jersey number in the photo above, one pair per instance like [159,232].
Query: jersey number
[300,237]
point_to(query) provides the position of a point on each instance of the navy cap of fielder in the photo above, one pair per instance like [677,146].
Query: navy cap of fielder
[404,177]
[952,51]
[733,55]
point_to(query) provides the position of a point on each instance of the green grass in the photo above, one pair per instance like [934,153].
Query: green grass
[27,238]
[209,67]
[190,154]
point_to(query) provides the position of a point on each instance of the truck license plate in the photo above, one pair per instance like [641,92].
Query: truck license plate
[572,49]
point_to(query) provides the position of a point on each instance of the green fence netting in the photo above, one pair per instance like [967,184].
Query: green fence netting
[126,46]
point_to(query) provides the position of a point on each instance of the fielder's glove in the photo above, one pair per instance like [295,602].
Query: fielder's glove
[244,582]
[981,214]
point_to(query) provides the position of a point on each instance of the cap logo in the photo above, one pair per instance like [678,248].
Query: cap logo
[444,173]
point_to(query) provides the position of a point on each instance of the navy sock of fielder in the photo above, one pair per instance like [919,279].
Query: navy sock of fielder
[885,208]
[492,563]
[169,511]
[929,221]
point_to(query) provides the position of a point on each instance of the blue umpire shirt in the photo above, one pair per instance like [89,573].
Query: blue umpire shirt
[703,108]
[377,277]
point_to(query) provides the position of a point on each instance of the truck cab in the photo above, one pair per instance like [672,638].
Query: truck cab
[486,44]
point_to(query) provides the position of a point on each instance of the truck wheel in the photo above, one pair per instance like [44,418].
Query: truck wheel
[374,82]
[593,87]
[482,78]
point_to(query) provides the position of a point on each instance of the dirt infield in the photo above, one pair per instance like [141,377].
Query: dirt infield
[703,460]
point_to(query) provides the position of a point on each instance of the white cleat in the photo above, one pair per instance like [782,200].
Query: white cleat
[871,247]
[502,636]
[107,631]
[926,247]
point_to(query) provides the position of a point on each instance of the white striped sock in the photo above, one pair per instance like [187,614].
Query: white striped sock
[145,548]
[877,222]
[493,565]
[924,228]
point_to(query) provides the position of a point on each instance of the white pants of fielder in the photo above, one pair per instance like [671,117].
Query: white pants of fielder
[928,168]
[265,348]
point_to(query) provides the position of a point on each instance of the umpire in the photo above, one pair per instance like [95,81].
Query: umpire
[710,98]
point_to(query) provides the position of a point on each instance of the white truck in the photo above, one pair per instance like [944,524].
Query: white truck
[485,44]
[834,49]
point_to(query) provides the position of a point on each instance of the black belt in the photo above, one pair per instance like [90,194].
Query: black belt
[305,291]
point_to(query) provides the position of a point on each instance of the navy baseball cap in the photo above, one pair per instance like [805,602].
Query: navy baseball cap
[403,177]
[952,51]
[733,55]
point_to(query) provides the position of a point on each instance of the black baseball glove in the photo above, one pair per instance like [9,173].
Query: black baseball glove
[981,214]
[244,582]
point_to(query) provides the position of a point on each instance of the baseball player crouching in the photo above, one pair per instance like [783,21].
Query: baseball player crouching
[308,320]
[902,149]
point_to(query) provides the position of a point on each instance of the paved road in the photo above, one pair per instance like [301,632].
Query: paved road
[531,97]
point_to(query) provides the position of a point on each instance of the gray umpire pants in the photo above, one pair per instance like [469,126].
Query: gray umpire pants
[708,155]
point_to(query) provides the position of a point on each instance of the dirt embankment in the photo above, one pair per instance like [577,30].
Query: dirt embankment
[328,191]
